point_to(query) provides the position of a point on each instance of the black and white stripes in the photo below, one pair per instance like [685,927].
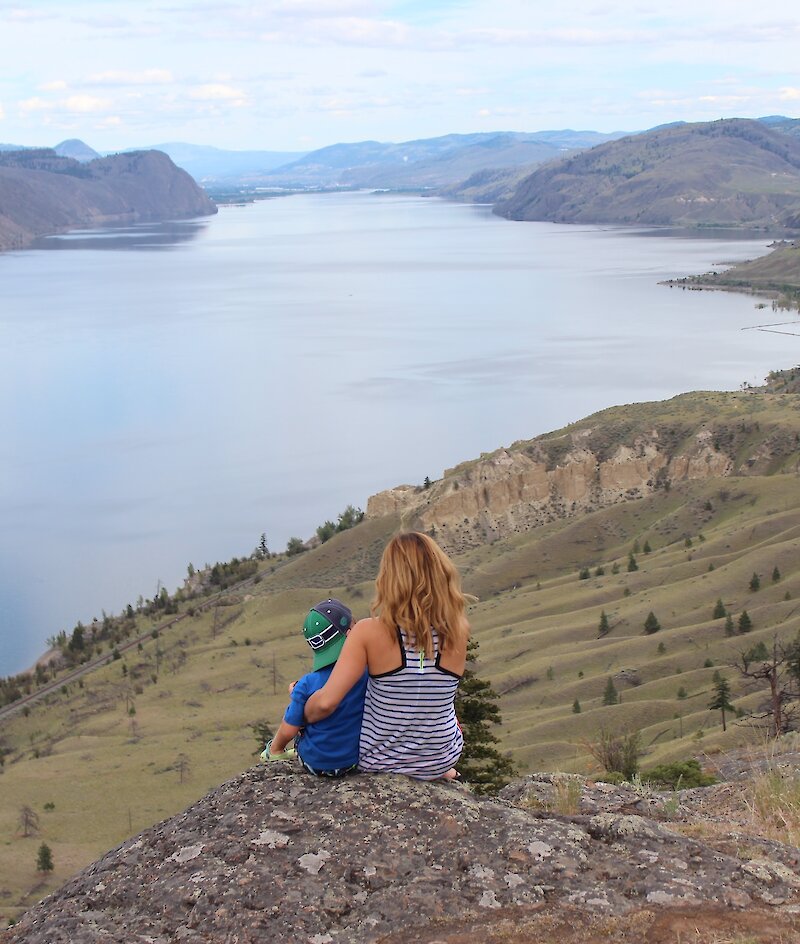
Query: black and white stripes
[409,724]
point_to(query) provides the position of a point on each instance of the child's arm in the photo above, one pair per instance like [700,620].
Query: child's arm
[283,735]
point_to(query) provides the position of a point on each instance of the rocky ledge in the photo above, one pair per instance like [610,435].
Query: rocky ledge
[276,854]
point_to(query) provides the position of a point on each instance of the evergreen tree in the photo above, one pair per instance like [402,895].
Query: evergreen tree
[745,623]
[482,765]
[632,565]
[44,859]
[647,549]
[576,707]
[604,627]
[610,695]
[729,628]
[776,574]
[651,624]
[719,609]
[722,698]
[755,583]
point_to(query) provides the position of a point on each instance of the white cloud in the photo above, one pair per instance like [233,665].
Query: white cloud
[86,104]
[355,31]
[144,77]
[218,92]
[58,85]
[789,94]
[30,105]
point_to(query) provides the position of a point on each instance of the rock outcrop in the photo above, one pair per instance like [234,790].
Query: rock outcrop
[278,855]
[597,463]
[43,193]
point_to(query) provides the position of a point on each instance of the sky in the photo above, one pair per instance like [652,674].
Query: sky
[293,75]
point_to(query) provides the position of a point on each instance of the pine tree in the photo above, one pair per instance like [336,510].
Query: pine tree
[745,623]
[604,626]
[729,629]
[719,609]
[576,707]
[776,574]
[632,565]
[610,695]
[482,765]
[647,549]
[651,624]
[44,859]
[721,699]
[755,583]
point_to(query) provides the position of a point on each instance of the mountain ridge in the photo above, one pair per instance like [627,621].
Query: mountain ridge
[727,172]
[42,193]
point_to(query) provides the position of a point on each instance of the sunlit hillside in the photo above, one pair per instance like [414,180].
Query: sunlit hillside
[140,738]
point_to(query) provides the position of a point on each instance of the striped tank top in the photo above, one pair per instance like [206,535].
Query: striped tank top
[409,724]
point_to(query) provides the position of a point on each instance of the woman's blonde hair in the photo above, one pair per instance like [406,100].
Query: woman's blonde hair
[419,588]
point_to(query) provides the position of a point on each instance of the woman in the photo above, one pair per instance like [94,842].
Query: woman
[415,648]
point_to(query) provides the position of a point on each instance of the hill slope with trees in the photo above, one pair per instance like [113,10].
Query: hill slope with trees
[618,615]
[721,173]
[42,192]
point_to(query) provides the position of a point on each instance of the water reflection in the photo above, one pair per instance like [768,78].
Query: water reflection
[143,236]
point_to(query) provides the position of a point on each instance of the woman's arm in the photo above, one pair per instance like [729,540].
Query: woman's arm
[348,670]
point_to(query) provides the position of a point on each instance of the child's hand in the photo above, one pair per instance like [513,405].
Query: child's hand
[292,685]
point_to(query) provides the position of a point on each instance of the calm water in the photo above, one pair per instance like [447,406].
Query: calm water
[170,392]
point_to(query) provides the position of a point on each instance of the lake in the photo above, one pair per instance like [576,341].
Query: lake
[170,392]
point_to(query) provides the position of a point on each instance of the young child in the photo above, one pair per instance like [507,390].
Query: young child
[328,748]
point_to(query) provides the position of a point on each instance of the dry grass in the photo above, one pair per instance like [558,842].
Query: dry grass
[774,804]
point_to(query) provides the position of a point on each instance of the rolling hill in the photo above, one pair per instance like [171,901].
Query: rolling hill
[724,173]
[702,491]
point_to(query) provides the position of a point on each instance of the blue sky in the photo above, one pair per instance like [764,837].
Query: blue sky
[299,74]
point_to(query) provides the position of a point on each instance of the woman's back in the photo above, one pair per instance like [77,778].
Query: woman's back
[409,724]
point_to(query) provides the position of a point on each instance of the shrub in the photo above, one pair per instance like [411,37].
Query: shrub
[584,573]
[680,775]
[617,753]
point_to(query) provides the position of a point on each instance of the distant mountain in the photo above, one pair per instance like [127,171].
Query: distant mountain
[210,164]
[728,172]
[42,193]
[428,163]
[77,150]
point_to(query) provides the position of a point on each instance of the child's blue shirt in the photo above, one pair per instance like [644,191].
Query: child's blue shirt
[332,743]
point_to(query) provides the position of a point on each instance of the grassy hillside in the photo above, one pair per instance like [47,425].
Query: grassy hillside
[720,173]
[142,737]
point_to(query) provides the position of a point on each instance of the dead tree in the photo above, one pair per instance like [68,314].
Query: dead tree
[779,671]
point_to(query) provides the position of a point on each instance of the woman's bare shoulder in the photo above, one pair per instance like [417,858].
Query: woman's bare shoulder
[370,626]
